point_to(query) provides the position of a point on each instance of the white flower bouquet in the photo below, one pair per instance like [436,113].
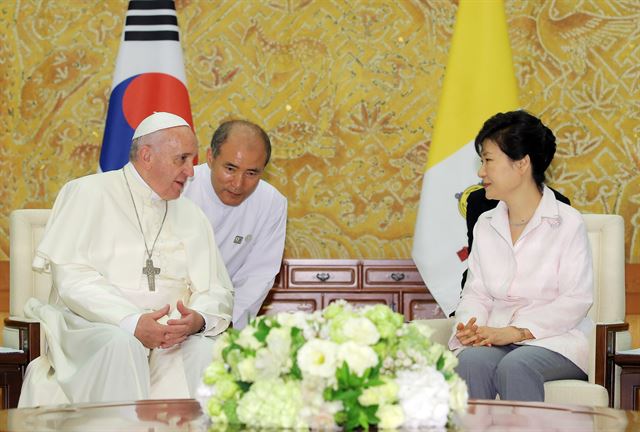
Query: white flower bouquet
[338,368]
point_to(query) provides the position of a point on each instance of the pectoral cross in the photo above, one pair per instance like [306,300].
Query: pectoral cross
[151,273]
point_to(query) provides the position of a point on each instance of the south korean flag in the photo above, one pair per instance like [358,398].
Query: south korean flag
[149,76]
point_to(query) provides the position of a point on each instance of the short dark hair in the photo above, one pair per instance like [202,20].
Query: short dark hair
[222,133]
[518,134]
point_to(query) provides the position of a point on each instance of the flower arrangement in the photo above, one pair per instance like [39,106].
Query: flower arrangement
[342,367]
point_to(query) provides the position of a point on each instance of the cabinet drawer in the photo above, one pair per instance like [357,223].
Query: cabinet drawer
[291,302]
[420,306]
[382,276]
[363,299]
[323,277]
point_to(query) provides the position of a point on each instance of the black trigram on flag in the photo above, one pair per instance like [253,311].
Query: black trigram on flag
[151,20]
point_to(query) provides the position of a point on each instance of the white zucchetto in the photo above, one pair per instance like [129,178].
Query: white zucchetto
[158,121]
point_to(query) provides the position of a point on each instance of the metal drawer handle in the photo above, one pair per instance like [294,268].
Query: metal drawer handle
[397,276]
[323,277]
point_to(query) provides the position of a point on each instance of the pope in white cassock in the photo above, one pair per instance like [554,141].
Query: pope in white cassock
[248,215]
[139,287]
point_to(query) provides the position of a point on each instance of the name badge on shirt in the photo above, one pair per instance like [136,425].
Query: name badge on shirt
[238,239]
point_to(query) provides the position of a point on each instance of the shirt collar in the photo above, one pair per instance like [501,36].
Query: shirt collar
[138,185]
[547,211]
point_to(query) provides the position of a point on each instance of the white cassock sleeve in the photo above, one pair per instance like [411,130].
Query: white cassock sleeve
[88,294]
[212,293]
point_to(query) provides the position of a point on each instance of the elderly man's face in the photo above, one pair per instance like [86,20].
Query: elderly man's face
[167,158]
[237,169]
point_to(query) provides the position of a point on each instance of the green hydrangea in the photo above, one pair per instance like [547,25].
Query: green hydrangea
[272,403]
[215,371]
[414,340]
[386,321]
[335,309]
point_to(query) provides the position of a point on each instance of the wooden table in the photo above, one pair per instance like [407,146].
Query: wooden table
[186,415]
[629,380]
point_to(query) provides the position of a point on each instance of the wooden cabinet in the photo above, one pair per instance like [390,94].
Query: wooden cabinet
[364,299]
[312,284]
[417,305]
[322,274]
[399,274]
[278,301]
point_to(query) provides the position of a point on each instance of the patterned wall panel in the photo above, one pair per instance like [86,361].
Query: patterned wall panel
[348,91]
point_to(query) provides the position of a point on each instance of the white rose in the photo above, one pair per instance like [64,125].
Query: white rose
[247,369]
[318,358]
[390,416]
[361,330]
[293,319]
[358,357]
[279,342]
[268,366]
[247,338]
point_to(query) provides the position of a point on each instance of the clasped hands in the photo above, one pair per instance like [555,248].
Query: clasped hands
[152,334]
[471,334]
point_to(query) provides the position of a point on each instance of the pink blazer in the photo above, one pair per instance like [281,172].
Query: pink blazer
[544,282]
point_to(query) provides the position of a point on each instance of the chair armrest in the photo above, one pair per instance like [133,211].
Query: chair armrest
[605,356]
[29,339]
[441,327]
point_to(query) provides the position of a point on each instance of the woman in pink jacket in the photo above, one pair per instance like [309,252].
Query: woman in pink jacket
[522,319]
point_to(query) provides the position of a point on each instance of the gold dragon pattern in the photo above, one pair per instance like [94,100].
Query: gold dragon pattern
[348,91]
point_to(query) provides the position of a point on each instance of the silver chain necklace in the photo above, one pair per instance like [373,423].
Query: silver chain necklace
[517,224]
[149,270]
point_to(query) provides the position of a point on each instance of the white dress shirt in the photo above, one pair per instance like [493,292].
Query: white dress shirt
[543,282]
[250,237]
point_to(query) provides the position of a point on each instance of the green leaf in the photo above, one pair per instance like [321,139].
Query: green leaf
[229,408]
[352,421]
[342,375]
[244,386]
[371,412]
[440,362]
[373,382]
[362,419]
[263,331]
[295,370]
[297,339]
[229,349]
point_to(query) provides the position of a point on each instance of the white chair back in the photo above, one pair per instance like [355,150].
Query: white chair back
[606,236]
[26,230]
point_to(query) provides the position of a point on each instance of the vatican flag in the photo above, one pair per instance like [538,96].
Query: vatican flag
[149,77]
[479,82]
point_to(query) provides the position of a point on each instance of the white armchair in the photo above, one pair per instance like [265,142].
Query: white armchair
[606,236]
[26,230]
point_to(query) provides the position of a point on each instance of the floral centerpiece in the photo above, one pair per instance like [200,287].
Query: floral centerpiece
[342,367]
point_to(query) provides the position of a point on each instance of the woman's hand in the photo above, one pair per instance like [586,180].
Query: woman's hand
[499,336]
[467,334]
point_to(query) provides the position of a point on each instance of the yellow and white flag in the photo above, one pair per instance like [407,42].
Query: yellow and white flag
[479,82]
